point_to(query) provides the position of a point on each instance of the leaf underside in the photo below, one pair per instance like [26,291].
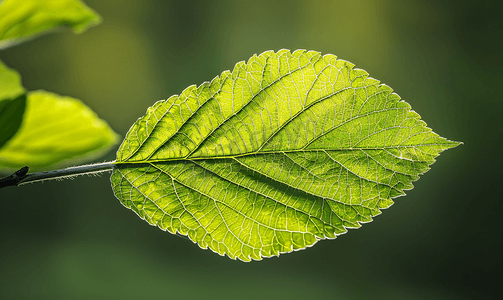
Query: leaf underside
[285,150]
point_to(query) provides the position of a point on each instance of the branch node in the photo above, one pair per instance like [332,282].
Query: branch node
[14,178]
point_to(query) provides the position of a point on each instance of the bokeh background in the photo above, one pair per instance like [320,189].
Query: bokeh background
[74,240]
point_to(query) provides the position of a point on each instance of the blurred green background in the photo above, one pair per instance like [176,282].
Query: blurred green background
[74,240]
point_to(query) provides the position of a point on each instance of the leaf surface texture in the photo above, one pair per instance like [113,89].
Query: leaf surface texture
[285,150]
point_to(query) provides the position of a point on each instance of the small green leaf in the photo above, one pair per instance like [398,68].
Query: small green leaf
[285,150]
[56,130]
[24,19]
[12,103]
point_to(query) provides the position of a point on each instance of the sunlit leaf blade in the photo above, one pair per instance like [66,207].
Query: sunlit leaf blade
[285,150]
[24,19]
[12,103]
[56,131]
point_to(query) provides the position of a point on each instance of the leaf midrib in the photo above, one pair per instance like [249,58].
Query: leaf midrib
[272,152]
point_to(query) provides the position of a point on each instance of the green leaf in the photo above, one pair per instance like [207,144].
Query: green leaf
[24,19]
[285,150]
[56,131]
[12,103]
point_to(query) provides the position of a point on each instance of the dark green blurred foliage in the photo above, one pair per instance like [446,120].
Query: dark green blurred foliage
[14,109]
[74,240]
